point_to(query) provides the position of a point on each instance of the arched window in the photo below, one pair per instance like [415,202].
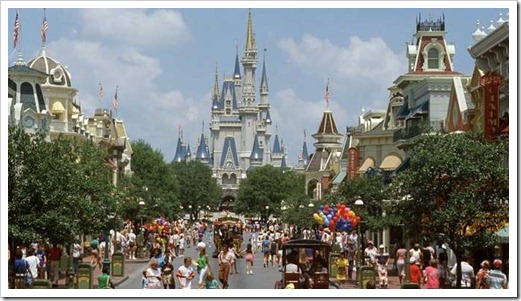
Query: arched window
[433,58]
[27,96]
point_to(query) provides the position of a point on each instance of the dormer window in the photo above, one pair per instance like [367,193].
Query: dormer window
[433,58]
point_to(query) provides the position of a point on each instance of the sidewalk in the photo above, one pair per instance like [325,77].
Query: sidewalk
[130,267]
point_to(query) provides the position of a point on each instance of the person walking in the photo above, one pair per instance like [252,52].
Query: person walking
[342,264]
[224,259]
[96,258]
[76,256]
[400,262]
[131,237]
[481,283]
[497,279]
[153,274]
[415,273]
[203,264]
[467,273]
[249,258]
[351,253]
[185,274]
[54,257]
[33,263]
[266,245]
[21,270]
[432,278]
[167,273]
[104,281]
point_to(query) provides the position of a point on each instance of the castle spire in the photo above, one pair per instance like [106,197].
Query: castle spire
[237,73]
[250,38]
[264,78]
[216,83]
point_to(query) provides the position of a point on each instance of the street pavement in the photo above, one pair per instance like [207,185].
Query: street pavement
[263,278]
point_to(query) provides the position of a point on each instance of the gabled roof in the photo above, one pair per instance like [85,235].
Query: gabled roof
[22,69]
[228,86]
[316,161]
[229,147]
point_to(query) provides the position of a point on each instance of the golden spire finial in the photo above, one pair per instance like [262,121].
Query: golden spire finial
[216,83]
[250,38]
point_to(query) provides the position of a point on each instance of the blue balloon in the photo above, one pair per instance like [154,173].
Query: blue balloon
[326,221]
[321,207]
[329,216]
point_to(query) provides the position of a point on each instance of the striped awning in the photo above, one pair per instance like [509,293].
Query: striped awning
[367,163]
[390,162]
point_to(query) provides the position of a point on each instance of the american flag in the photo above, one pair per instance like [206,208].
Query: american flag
[45,27]
[101,93]
[115,101]
[326,94]
[15,30]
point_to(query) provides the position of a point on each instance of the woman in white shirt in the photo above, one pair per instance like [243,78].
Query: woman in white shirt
[153,274]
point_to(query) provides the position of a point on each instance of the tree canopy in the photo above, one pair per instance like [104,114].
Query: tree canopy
[52,188]
[152,182]
[197,187]
[456,186]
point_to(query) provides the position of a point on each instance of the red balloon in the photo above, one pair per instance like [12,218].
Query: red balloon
[342,206]
[326,207]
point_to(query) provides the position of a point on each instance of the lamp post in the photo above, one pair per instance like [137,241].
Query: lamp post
[141,206]
[106,261]
[190,211]
[267,214]
[359,204]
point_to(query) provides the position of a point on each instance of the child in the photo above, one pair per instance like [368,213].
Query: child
[210,282]
[342,264]
[144,280]
[249,258]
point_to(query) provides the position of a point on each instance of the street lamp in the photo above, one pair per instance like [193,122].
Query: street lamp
[106,261]
[141,206]
[359,204]
[267,213]
[190,211]
[311,205]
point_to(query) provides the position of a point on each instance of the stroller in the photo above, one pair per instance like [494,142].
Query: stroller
[382,276]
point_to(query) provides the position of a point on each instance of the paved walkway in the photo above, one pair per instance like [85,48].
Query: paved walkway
[130,267]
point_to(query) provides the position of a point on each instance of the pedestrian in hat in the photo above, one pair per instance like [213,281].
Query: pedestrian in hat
[415,273]
[497,279]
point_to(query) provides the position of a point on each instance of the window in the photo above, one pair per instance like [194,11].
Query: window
[41,102]
[433,58]
[27,97]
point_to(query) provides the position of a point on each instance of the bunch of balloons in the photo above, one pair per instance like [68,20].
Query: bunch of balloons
[158,225]
[336,218]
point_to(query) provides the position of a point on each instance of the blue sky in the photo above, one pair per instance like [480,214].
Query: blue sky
[164,59]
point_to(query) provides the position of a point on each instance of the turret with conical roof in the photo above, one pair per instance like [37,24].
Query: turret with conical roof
[249,62]
[264,82]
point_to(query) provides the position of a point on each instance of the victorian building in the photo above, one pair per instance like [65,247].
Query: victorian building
[41,97]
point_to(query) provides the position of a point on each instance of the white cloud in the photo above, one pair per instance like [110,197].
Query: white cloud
[361,69]
[141,27]
[294,115]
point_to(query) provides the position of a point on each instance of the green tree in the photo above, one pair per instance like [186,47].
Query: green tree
[454,186]
[372,191]
[295,206]
[52,188]
[152,182]
[264,186]
[197,186]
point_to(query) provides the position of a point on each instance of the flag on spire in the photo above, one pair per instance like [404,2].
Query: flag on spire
[101,93]
[115,101]
[15,30]
[326,94]
[45,27]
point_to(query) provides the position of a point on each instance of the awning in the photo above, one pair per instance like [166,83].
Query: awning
[502,234]
[367,163]
[339,178]
[57,107]
[390,162]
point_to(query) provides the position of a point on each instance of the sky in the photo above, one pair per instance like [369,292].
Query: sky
[163,60]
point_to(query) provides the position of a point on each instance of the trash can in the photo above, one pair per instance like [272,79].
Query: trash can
[84,276]
[367,273]
[118,264]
